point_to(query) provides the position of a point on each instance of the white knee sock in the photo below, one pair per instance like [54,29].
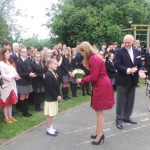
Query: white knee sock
[50,130]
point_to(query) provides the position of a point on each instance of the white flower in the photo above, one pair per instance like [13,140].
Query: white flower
[78,73]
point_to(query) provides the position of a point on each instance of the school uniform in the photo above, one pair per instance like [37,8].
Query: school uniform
[51,93]
[111,71]
[73,85]
[65,67]
[24,85]
[38,84]
[85,87]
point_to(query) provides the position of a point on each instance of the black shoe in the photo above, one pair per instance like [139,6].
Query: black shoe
[27,115]
[56,131]
[68,97]
[74,96]
[83,94]
[93,136]
[50,134]
[65,98]
[14,113]
[40,109]
[129,121]
[119,124]
[101,138]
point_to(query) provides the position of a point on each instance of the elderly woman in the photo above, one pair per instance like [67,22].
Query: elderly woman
[102,91]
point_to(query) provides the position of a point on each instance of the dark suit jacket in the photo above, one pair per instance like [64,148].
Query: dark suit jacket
[38,81]
[15,57]
[147,63]
[113,51]
[51,87]
[24,69]
[122,62]
[75,63]
[147,59]
[111,71]
[142,50]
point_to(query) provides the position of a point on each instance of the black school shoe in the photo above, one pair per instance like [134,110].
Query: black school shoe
[50,134]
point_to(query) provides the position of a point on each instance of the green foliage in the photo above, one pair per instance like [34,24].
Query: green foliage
[4,29]
[35,42]
[95,21]
[8,24]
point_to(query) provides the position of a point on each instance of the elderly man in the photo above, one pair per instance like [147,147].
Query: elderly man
[129,67]
[15,52]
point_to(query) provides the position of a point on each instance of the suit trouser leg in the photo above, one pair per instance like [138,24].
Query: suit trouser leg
[125,102]
[121,100]
[130,102]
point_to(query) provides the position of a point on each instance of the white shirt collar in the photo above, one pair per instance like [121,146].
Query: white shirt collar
[23,59]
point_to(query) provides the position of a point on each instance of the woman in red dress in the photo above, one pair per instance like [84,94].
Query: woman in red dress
[102,91]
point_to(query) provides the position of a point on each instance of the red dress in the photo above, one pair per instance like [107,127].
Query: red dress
[102,91]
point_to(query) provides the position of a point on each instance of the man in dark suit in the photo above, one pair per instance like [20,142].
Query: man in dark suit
[15,51]
[129,67]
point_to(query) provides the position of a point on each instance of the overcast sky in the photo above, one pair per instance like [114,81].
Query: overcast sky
[35,10]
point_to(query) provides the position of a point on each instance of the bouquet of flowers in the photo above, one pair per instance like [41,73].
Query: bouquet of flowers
[78,73]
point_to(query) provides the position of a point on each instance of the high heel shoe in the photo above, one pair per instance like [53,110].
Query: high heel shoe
[93,136]
[101,138]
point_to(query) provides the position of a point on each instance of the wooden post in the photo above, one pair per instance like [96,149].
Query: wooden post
[148,36]
[134,32]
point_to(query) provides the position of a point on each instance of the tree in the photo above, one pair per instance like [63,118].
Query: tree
[8,23]
[35,42]
[4,28]
[95,21]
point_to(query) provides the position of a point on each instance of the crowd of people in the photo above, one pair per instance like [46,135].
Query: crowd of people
[29,75]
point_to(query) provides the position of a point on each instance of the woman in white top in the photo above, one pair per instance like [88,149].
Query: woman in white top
[8,94]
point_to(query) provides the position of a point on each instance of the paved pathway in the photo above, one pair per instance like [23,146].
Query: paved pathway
[78,124]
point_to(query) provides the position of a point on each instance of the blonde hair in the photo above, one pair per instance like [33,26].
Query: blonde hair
[38,53]
[88,50]
[50,61]
[69,53]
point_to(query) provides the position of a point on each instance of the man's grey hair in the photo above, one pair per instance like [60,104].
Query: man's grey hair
[128,36]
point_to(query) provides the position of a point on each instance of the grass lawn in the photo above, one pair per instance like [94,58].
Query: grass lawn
[8,131]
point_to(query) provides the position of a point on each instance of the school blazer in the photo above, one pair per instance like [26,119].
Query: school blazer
[111,71]
[65,66]
[24,69]
[38,81]
[52,90]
